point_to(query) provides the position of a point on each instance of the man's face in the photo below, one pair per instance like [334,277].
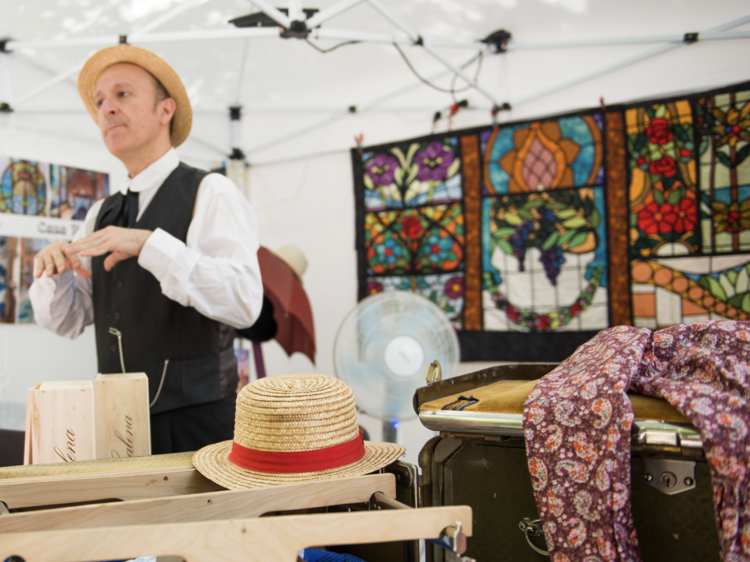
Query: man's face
[128,114]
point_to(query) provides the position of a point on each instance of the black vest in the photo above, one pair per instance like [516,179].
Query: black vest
[201,364]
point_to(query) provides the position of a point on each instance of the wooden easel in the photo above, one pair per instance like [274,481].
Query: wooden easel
[226,504]
[244,540]
[175,511]
[38,491]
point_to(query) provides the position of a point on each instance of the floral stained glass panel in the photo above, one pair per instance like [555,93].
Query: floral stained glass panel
[412,174]
[663,193]
[414,241]
[723,123]
[445,290]
[690,266]
[544,155]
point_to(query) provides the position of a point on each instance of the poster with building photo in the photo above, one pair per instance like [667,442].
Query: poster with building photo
[37,190]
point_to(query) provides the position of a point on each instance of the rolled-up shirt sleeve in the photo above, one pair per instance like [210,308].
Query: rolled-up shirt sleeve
[62,303]
[217,271]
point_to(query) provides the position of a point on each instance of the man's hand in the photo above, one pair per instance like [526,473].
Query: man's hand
[52,259]
[123,243]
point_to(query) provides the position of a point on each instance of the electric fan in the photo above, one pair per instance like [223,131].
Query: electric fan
[382,351]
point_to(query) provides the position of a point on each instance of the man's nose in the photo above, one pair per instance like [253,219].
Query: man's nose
[107,107]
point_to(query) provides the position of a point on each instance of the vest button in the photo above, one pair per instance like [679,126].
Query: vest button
[117,315]
[118,284]
[113,348]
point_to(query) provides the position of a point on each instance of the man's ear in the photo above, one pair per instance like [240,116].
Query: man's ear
[166,108]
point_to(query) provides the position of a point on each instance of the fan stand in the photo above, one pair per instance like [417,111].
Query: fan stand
[382,349]
[404,356]
[390,431]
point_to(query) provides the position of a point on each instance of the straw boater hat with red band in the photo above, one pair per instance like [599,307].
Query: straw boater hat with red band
[102,60]
[293,428]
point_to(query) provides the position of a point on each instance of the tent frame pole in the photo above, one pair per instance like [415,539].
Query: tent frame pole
[341,114]
[418,40]
[622,64]
[295,11]
[266,110]
[528,99]
[595,74]
[168,16]
[363,36]
[331,12]
[51,83]
[144,35]
[273,13]
[413,35]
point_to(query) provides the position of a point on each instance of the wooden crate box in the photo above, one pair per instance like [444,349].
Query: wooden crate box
[61,422]
[86,420]
[123,425]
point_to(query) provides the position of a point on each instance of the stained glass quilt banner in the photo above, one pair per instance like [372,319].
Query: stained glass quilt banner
[534,236]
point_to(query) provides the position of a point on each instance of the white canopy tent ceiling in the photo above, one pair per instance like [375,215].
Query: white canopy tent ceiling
[564,54]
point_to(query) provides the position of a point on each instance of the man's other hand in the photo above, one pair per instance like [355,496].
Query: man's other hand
[52,259]
[120,243]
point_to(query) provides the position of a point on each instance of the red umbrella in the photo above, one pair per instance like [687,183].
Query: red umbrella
[291,308]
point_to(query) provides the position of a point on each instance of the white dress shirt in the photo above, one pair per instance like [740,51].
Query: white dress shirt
[216,272]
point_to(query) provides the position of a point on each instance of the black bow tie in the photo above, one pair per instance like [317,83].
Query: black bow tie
[130,209]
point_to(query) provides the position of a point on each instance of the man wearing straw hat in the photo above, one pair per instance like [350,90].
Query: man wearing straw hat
[165,270]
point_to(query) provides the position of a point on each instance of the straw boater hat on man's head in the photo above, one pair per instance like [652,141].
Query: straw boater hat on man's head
[293,428]
[102,60]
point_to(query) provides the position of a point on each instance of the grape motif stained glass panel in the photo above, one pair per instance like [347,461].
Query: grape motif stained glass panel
[545,261]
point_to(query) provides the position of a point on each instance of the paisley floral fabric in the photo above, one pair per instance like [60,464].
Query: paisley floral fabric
[578,419]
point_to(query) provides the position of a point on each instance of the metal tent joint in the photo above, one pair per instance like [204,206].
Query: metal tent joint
[297,30]
[4,45]
[498,40]
[505,106]
[237,154]
[691,37]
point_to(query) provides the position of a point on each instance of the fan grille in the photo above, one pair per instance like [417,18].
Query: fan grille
[359,351]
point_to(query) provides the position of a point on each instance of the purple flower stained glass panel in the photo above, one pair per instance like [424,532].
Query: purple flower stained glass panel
[381,169]
[434,162]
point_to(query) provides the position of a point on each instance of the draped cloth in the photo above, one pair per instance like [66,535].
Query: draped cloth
[577,424]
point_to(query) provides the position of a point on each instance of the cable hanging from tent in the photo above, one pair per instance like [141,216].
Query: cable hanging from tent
[479,56]
[314,46]
[452,90]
